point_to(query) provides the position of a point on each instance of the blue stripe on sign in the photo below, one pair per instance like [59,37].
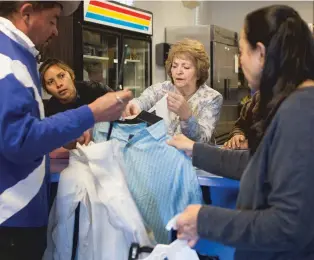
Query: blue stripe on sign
[115,21]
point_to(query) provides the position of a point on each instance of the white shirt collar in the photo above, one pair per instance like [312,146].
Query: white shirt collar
[9,29]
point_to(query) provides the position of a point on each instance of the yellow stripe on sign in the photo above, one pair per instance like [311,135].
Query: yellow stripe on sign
[116,15]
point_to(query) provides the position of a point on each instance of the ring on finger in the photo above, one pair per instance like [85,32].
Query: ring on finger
[120,100]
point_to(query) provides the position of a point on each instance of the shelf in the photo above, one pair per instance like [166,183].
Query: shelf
[127,60]
[95,58]
[132,87]
[135,61]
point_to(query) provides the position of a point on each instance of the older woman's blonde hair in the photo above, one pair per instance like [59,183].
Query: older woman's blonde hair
[194,50]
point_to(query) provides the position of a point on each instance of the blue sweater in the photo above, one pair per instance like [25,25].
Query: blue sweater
[274,216]
[24,137]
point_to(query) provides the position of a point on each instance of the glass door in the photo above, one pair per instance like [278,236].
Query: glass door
[100,51]
[137,65]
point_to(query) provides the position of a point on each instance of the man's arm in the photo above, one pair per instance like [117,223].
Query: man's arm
[24,137]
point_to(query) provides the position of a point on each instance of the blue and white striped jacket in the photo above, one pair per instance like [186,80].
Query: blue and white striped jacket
[25,136]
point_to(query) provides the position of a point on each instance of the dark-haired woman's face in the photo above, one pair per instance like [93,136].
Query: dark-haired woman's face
[60,84]
[252,61]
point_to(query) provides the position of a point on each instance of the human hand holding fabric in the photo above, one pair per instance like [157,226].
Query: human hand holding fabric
[187,224]
[181,142]
[85,138]
[131,109]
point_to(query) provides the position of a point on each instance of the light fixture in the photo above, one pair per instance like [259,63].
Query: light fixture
[191,4]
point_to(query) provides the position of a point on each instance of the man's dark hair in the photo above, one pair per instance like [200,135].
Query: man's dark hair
[7,8]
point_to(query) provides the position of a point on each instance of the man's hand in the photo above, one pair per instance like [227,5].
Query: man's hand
[85,138]
[178,105]
[110,106]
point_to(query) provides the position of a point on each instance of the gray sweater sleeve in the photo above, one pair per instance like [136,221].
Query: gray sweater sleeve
[222,162]
[284,220]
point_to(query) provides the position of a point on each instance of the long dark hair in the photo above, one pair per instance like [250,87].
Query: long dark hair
[289,59]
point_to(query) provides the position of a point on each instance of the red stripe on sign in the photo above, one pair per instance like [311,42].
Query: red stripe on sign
[119,9]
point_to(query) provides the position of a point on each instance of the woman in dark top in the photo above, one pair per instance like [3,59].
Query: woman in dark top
[240,137]
[274,215]
[58,79]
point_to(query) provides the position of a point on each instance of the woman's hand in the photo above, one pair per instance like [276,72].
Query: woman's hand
[187,224]
[178,105]
[182,143]
[131,109]
[236,142]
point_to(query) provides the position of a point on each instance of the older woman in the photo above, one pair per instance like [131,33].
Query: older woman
[274,215]
[194,107]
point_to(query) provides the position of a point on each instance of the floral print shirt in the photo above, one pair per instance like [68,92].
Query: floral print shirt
[205,105]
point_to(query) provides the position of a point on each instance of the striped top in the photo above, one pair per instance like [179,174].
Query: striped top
[115,15]
[160,178]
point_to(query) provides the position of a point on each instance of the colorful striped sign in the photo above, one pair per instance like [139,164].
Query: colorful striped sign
[115,15]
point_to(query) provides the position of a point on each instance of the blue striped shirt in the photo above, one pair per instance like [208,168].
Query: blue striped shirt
[161,179]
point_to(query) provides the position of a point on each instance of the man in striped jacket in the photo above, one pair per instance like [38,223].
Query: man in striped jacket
[25,135]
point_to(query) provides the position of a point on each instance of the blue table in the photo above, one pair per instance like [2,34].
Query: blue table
[223,193]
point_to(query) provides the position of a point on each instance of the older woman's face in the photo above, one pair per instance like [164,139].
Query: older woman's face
[252,61]
[60,84]
[183,72]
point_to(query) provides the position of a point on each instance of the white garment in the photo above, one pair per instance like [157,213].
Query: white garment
[161,108]
[177,250]
[109,219]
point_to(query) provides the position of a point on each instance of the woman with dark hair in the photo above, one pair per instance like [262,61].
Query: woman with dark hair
[274,215]
[58,79]
[239,137]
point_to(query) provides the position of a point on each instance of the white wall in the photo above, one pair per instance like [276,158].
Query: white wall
[165,13]
[230,14]
[203,13]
